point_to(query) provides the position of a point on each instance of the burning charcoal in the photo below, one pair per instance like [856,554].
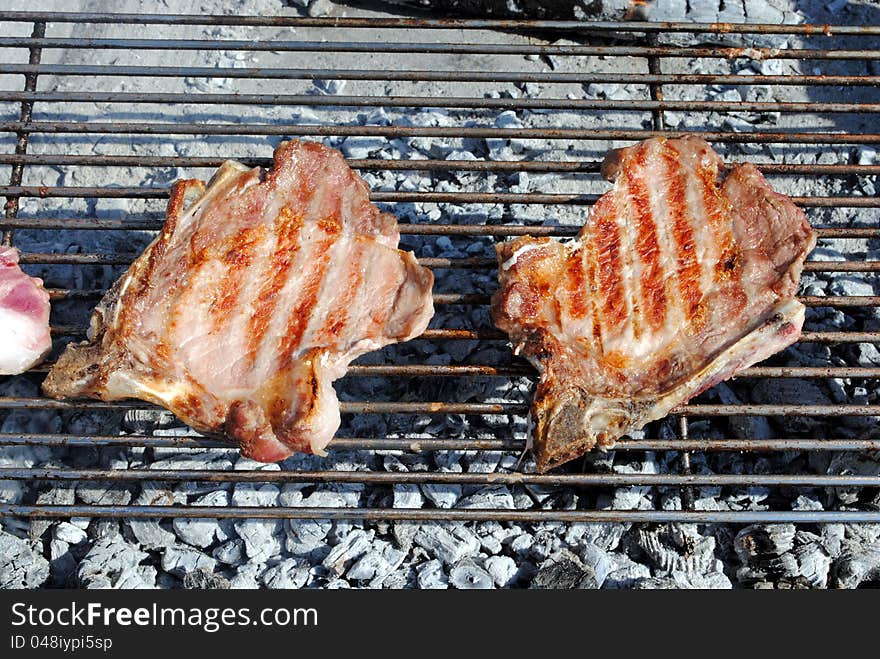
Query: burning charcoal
[450,545]
[678,547]
[352,547]
[468,575]
[766,554]
[503,570]
[337,584]
[137,577]
[180,560]
[851,286]
[57,496]
[678,580]
[108,562]
[246,576]
[202,579]
[791,391]
[148,531]
[431,576]
[495,496]
[565,570]
[442,496]
[813,560]
[21,563]
[286,575]
[362,146]
[67,532]
[261,538]
[376,564]
[596,559]
[625,572]
[62,564]
[230,553]
[846,463]
[859,567]
[204,532]
[746,427]
[407,496]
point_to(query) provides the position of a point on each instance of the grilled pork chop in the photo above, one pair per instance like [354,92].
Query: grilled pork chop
[24,317]
[252,300]
[677,281]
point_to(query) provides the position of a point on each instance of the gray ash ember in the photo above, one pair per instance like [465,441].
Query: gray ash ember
[250,553]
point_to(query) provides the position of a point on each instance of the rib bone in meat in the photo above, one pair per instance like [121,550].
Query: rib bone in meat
[678,280]
[260,290]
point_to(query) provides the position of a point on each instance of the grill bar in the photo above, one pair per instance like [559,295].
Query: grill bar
[572,166]
[441,23]
[439,477]
[305,130]
[478,230]
[434,48]
[457,514]
[422,407]
[432,102]
[651,78]
[421,444]
[423,197]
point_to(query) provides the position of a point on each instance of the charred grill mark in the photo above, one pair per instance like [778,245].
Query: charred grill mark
[576,284]
[339,313]
[609,269]
[288,229]
[727,269]
[591,270]
[627,243]
[240,249]
[300,314]
[651,280]
[688,269]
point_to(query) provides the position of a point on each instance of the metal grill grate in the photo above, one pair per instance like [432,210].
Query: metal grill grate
[377,47]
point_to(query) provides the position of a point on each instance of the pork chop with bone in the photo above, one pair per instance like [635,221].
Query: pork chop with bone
[681,277]
[260,290]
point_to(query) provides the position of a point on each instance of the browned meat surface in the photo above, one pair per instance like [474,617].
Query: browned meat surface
[258,293]
[676,282]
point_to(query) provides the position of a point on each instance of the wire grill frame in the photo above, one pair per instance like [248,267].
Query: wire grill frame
[656,104]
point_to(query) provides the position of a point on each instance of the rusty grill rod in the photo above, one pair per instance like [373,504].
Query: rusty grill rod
[441,514]
[378,164]
[440,23]
[426,407]
[438,477]
[305,130]
[423,444]
[522,103]
[396,197]
[434,48]
[92,70]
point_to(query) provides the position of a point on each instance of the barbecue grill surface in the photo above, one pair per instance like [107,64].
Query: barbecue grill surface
[458,389]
